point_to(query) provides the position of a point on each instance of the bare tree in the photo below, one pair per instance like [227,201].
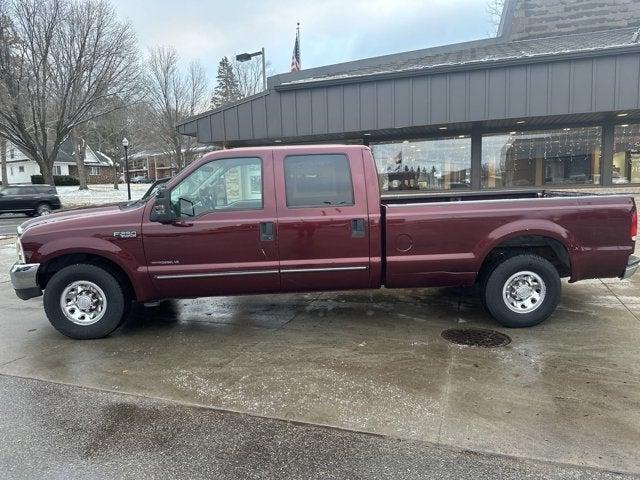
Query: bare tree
[80,153]
[173,96]
[494,10]
[249,76]
[3,161]
[236,80]
[135,121]
[61,62]
[106,134]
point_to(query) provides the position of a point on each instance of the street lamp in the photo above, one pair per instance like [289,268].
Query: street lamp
[125,144]
[245,57]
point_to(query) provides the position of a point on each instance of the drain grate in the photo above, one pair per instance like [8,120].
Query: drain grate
[476,337]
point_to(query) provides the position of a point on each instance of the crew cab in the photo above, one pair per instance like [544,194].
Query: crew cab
[312,218]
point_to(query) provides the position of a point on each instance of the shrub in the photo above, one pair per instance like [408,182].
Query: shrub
[59,180]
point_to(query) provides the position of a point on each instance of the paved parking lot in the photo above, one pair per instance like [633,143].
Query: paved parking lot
[566,392]
[9,222]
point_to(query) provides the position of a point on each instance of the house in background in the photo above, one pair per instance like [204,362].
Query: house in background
[155,164]
[20,168]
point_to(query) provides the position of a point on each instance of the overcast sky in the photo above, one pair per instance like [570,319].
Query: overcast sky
[332,31]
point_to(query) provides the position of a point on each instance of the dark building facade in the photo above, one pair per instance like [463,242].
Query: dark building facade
[552,101]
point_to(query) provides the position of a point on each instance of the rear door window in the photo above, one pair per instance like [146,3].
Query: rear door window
[318,180]
[10,191]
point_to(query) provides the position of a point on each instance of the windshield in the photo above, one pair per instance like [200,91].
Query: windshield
[154,188]
[151,192]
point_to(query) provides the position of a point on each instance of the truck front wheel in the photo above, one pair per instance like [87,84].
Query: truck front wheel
[85,302]
[522,290]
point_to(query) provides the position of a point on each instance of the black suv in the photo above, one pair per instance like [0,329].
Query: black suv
[30,199]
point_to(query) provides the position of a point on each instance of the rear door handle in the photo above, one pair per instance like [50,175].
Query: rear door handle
[357,228]
[266,232]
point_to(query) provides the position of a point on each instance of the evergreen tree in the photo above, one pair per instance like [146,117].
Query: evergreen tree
[227,87]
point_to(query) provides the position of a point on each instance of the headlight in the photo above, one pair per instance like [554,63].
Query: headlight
[19,251]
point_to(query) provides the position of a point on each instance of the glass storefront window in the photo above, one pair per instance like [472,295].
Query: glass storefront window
[568,156]
[435,164]
[626,154]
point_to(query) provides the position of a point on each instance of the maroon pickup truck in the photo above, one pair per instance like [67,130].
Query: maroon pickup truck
[311,218]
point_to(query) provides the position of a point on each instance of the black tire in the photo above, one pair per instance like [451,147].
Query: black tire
[532,311]
[117,301]
[43,209]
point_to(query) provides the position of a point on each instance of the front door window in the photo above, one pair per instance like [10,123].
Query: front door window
[229,184]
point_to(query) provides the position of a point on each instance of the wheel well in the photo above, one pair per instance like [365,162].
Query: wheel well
[548,248]
[48,269]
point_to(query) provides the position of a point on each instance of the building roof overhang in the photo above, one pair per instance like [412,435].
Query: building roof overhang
[276,113]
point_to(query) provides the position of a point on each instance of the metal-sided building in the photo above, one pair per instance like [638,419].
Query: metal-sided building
[553,100]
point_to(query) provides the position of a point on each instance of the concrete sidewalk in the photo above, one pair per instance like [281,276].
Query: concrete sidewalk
[49,430]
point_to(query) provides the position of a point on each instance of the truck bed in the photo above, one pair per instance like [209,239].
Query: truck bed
[444,239]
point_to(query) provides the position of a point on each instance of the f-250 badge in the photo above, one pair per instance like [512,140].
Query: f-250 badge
[126,234]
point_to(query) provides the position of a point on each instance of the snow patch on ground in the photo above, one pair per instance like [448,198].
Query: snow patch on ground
[98,194]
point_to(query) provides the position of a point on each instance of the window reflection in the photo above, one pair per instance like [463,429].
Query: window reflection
[437,164]
[233,183]
[317,180]
[567,156]
[626,156]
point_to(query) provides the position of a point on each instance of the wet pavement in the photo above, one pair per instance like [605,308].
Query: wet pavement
[368,362]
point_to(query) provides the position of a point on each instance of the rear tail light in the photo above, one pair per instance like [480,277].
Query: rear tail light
[634,225]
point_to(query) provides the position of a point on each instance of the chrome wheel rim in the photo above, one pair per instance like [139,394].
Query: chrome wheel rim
[524,292]
[44,211]
[83,303]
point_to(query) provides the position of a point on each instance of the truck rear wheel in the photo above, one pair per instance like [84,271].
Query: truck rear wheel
[521,291]
[85,302]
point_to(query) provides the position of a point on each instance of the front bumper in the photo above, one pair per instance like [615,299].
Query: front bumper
[23,278]
[632,265]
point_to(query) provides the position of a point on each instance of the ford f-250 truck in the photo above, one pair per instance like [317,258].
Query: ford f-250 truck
[311,218]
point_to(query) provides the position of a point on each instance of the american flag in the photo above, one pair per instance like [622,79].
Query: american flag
[295,58]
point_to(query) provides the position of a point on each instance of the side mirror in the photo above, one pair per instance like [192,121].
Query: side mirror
[161,210]
[187,208]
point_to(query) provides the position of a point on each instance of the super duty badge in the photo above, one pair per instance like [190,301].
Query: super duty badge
[126,234]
